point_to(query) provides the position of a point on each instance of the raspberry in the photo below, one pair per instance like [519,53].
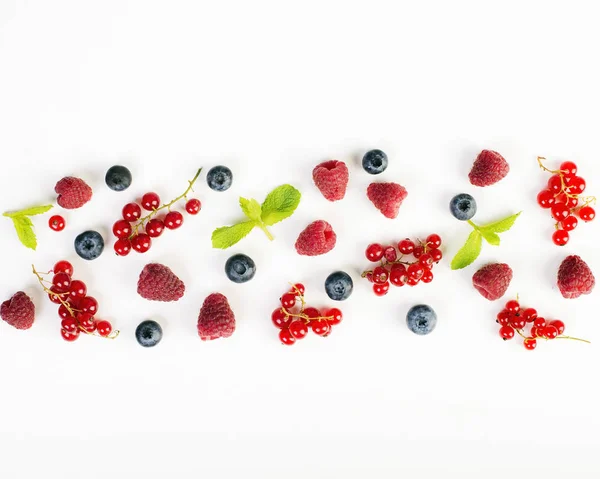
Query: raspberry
[387,197]
[216,319]
[489,168]
[18,311]
[575,277]
[492,280]
[158,283]
[331,178]
[72,193]
[316,239]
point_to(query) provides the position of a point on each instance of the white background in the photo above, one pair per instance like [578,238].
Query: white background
[271,89]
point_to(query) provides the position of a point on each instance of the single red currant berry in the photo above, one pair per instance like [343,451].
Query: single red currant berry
[77,289]
[56,223]
[572,201]
[154,228]
[427,276]
[506,332]
[280,319]
[576,185]
[89,328]
[539,322]
[132,212]
[285,336]
[559,211]
[517,322]
[389,253]
[55,296]
[63,312]
[63,267]
[288,300]
[61,282]
[89,305]
[374,252]
[550,332]
[312,313]
[69,336]
[545,199]
[503,318]
[381,289]
[320,327]
[173,220]
[426,260]
[298,289]
[380,275]
[104,328]
[418,251]
[334,316]
[122,247]
[529,314]
[559,325]
[69,324]
[587,213]
[193,206]
[436,254]
[433,241]
[555,184]
[568,168]
[415,271]
[150,201]
[122,229]
[406,246]
[569,223]
[369,276]
[412,281]
[398,275]
[85,319]
[560,237]
[530,344]
[512,306]
[298,329]
[141,243]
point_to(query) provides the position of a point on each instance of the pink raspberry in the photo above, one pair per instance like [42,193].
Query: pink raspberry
[72,193]
[331,178]
[216,319]
[492,280]
[575,277]
[18,311]
[489,168]
[316,239]
[158,283]
[387,197]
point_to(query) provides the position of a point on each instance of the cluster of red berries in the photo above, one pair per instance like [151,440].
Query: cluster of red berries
[76,309]
[294,319]
[563,196]
[513,319]
[398,272]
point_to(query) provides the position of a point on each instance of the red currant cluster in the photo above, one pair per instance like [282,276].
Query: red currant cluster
[515,319]
[294,319]
[136,232]
[398,272]
[563,196]
[76,308]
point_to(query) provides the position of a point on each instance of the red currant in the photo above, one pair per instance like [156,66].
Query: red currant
[193,206]
[77,289]
[503,318]
[89,305]
[587,213]
[559,211]
[63,312]
[85,319]
[122,229]
[517,322]
[568,168]
[530,344]
[141,243]
[374,252]
[285,336]
[122,247]
[555,184]
[280,319]
[389,253]
[288,300]
[320,327]
[69,324]
[381,289]
[69,336]
[150,201]
[569,223]
[539,322]
[380,275]
[560,237]
[436,254]
[576,185]
[427,276]
[398,275]
[412,281]
[104,328]
[572,201]
[545,199]
[63,267]
[550,332]
[56,223]
[559,325]
[298,329]
[418,251]
[298,289]
[312,313]
[334,316]
[406,246]
[433,241]
[512,306]
[173,220]
[506,332]
[369,276]
[529,314]
[154,228]
[426,260]
[415,271]
[132,212]
[55,298]
[61,282]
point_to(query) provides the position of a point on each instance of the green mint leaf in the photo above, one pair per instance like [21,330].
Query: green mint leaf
[24,228]
[280,204]
[502,225]
[469,252]
[227,236]
[35,210]
[251,208]
[491,237]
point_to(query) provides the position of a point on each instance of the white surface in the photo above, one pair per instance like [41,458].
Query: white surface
[271,89]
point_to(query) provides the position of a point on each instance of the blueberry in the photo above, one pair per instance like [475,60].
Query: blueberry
[463,207]
[421,319]
[219,178]
[338,286]
[375,162]
[118,178]
[240,268]
[148,333]
[89,244]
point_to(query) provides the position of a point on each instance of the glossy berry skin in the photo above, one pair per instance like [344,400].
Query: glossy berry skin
[380,275]
[550,332]
[61,282]
[559,211]
[63,312]
[150,201]
[512,306]
[122,247]
[406,246]
[77,289]
[54,298]
[118,178]
[148,333]
[56,223]
[503,318]
[375,162]
[560,237]
[219,178]
[506,332]
[418,251]
[555,184]
[286,337]
[389,253]
[298,289]
[339,286]
[104,328]
[173,220]
[381,289]
[463,207]
[587,213]
[86,320]
[320,327]
[298,329]
[132,212]
[69,336]
[568,168]
[433,241]
[122,229]
[141,243]
[240,268]
[89,245]
[154,228]
[89,305]
[559,325]
[63,267]
[530,344]
[69,324]
[288,300]
[576,185]
[518,322]
[415,271]
[569,223]
[312,313]
[334,316]
[534,333]
[374,252]
[529,314]
[539,322]
[427,276]
[193,206]
[280,319]
[426,260]
[545,199]
[89,328]
[421,319]
[398,275]
[571,202]
[436,254]
[412,281]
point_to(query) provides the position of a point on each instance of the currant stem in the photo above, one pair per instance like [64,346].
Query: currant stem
[528,338]
[574,339]
[52,293]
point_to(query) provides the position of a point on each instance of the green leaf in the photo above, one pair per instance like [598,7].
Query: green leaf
[491,237]
[469,252]
[280,204]
[502,225]
[24,228]
[251,208]
[227,236]
[35,210]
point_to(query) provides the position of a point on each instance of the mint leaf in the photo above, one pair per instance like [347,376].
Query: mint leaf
[227,236]
[251,208]
[502,225]
[491,237]
[35,210]
[280,204]
[24,228]
[469,252]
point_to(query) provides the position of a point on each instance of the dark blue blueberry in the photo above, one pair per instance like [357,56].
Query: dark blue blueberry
[375,162]
[148,333]
[421,319]
[219,178]
[240,268]
[338,286]
[89,244]
[118,178]
[463,207]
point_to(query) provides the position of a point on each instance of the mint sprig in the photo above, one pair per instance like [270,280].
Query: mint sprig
[23,224]
[278,205]
[472,247]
